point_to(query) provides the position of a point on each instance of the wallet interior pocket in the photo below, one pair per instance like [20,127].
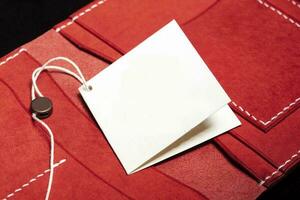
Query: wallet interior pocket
[24,147]
[253,55]
[124,25]
[87,41]
[75,133]
[255,58]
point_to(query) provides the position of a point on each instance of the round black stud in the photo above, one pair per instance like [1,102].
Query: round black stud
[42,107]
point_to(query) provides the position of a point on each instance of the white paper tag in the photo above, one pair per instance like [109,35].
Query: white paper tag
[158,100]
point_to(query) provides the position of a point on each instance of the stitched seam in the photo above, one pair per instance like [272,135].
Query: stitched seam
[73,19]
[280,167]
[33,180]
[284,110]
[239,107]
[294,3]
[87,168]
[233,103]
[12,57]
[292,21]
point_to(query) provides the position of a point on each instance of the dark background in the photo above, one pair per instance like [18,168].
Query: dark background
[23,20]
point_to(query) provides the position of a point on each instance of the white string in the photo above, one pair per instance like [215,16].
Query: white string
[51,154]
[49,68]
[37,72]
[35,90]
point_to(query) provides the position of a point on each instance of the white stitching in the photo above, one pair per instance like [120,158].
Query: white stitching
[279,13]
[272,118]
[79,15]
[260,1]
[12,57]
[294,3]
[32,180]
[233,103]
[25,185]
[281,166]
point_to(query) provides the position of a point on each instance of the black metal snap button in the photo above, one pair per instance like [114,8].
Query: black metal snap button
[42,107]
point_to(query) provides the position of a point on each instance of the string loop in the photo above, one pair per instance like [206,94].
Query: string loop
[36,91]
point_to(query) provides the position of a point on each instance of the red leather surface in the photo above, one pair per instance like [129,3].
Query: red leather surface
[25,146]
[88,42]
[260,71]
[224,39]
[259,74]
[289,8]
[207,158]
[251,49]
[255,59]
[247,158]
[78,140]
[123,26]
[279,147]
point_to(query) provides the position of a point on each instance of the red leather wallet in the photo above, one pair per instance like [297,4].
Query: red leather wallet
[250,46]
[254,58]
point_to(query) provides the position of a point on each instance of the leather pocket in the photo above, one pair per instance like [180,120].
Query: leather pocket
[89,155]
[24,147]
[252,50]
[254,54]
[111,28]
[24,150]
[74,132]
[87,41]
